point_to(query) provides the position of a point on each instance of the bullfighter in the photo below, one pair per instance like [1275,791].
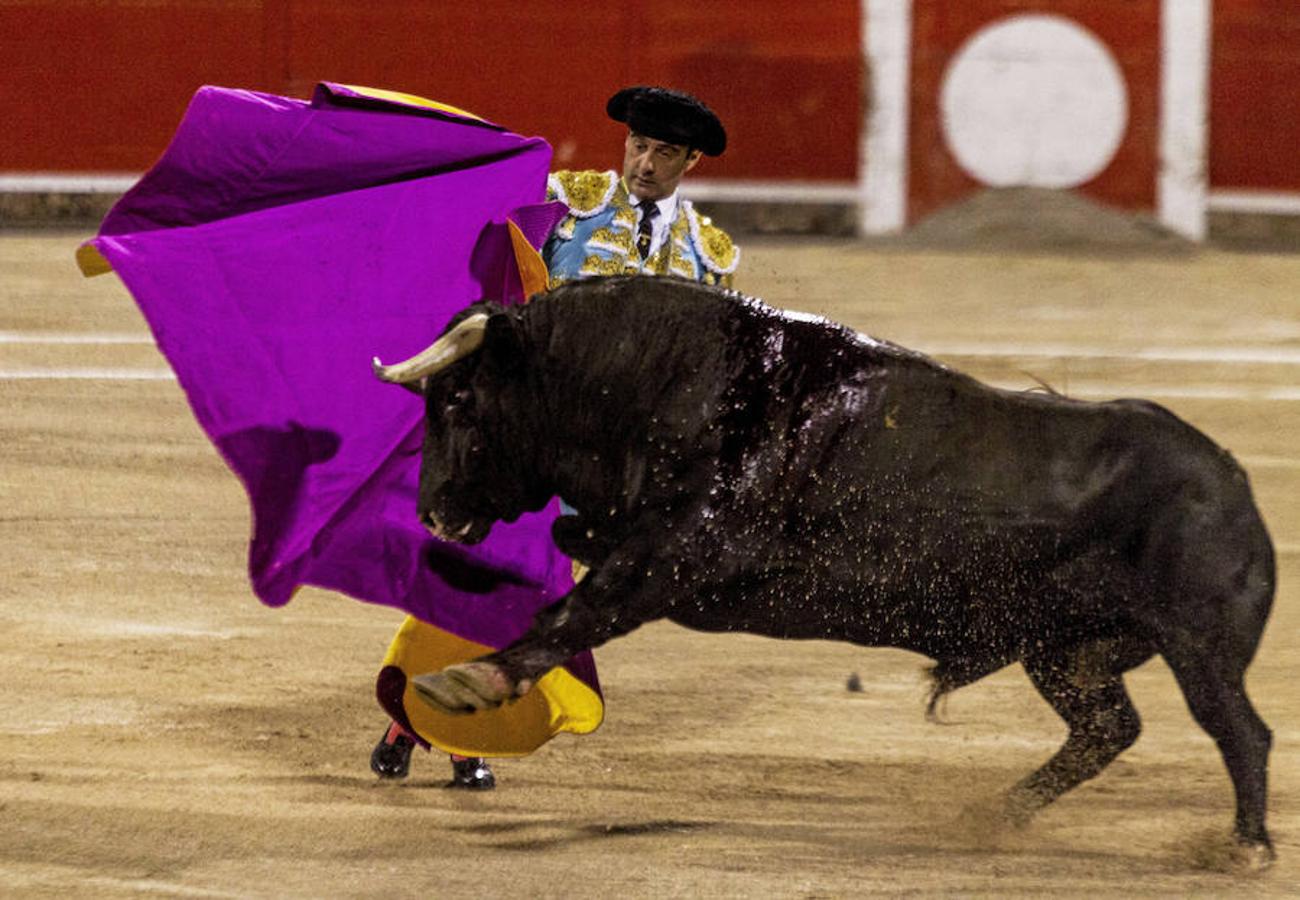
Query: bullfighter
[633,223]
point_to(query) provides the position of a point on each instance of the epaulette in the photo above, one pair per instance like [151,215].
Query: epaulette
[586,193]
[715,247]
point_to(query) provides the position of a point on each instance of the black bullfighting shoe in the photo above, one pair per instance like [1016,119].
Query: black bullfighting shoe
[471,773]
[391,757]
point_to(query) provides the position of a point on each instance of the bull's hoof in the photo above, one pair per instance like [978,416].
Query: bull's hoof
[1019,808]
[463,688]
[471,774]
[1217,851]
[984,822]
[1253,856]
[391,757]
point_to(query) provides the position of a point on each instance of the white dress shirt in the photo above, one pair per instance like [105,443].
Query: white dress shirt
[662,222]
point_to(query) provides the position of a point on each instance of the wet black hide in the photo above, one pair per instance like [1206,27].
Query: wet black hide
[738,468]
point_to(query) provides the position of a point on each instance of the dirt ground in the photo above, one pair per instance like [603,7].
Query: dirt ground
[161,733]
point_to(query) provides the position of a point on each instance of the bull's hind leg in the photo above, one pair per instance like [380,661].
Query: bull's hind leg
[1208,638]
[1103,723]
[1216,695]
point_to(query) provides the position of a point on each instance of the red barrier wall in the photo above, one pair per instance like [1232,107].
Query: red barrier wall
[100,86]
[1255,95]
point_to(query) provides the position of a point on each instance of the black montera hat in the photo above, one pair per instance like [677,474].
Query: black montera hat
[668,115]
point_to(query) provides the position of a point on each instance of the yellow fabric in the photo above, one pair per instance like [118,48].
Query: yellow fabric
[559,702]
[410,100]
[532,268]
[91,261]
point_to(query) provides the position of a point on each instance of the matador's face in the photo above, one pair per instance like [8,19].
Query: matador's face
[653,168]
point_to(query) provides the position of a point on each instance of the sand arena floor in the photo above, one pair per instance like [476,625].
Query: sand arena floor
[161,733]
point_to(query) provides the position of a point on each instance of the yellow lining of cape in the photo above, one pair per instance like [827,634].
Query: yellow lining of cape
[91,261]
[559,701]
[410,100]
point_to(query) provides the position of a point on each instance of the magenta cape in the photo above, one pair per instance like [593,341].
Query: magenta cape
[274,249]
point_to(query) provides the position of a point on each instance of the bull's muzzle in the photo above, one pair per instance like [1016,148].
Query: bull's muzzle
[456,344]
[443,533]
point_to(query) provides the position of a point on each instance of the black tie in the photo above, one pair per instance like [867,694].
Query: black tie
[644,234]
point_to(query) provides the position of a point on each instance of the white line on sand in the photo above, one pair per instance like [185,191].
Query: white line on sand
[1101,389]
[1098,389]
[1095,387]
[63,337]
[86,373]
[1278,356]
[1283,356]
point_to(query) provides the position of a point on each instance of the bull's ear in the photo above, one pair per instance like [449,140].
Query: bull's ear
[502,342]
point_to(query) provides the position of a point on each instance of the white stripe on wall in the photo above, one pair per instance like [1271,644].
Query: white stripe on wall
[883,150]
[705,190]
[1182,182]
[1275,203]
[65,183]
[701,189]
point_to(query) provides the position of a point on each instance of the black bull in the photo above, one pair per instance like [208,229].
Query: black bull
[736,468]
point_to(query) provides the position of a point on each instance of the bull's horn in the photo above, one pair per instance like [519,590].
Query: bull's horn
[456,344]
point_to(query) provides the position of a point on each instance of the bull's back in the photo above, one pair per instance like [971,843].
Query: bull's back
[1039,456]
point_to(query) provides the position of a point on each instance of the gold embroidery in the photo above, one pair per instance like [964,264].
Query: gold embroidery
[599,265]
[679,263]
[716,245]
[565,229]
[613,240]
[586,193]
[624,209]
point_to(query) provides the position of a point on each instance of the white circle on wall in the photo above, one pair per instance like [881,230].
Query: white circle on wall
[1034,100]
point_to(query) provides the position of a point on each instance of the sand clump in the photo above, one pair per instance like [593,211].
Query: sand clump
[1041,219]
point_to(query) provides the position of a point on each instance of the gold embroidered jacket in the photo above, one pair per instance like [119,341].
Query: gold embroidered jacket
[598,236]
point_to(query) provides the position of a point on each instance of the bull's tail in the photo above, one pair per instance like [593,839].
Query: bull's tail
[954,672]
[939,688]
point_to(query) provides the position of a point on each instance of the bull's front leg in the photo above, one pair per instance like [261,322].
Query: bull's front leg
[634,585]
[489,681]
[467,687]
